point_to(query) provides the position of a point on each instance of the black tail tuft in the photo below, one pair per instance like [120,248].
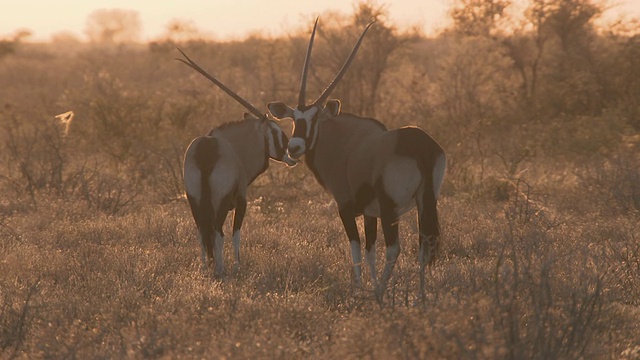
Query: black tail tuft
[429,218]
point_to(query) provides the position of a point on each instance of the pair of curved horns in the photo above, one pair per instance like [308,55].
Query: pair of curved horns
[325,94]
[222,86]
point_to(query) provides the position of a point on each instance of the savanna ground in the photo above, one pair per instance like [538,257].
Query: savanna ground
[540,210]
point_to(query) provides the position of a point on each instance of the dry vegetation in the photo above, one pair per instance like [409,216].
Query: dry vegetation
[540,208]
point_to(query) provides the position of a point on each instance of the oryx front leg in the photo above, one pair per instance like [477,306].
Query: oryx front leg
[236,250]
[370,235]
[348,217]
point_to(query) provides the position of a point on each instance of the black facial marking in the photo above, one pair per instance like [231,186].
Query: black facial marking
[312,133]
[278,143]
[300,129]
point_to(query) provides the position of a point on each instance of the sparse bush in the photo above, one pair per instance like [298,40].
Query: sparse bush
[614,182]
[539,210]
[35,158]
[17,314]
[544,309]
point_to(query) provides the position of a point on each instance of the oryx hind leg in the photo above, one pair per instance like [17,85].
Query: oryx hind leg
[204,225]
[219,241]
[205,236]
[391,239]
[238,217]
[429,237]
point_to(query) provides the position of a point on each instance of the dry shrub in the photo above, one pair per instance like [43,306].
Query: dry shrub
[17,314]
[614,182]
[548,303]
[619,249]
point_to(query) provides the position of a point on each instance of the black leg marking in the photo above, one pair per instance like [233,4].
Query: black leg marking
[389,222]
[206,234]
[370,231]
[348,217]
[221,216]
[390,230]
[241,208]
[429,228]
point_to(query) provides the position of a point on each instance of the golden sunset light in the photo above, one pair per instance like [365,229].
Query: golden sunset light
[222,19]
[334,179]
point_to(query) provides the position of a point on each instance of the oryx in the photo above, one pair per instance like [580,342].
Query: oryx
[370,171]
[218,168]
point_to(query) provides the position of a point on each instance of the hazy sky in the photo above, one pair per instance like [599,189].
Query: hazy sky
[220,18]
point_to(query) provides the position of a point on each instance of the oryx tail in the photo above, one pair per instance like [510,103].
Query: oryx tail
[205,157]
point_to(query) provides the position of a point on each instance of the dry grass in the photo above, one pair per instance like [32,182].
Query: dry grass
[77,285]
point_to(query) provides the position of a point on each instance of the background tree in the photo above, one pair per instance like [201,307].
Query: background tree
[8,46]
[113,26]
[553,52]
[484,17]
[381,51]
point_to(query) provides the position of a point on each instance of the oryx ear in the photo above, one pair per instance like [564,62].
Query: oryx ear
[247,116]
[333,106]
[280,110]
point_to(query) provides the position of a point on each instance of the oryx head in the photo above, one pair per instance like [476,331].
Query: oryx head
[306,118]
[276,139]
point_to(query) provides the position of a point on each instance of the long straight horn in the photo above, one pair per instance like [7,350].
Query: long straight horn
[325,94]
[222,86]
[305,68]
